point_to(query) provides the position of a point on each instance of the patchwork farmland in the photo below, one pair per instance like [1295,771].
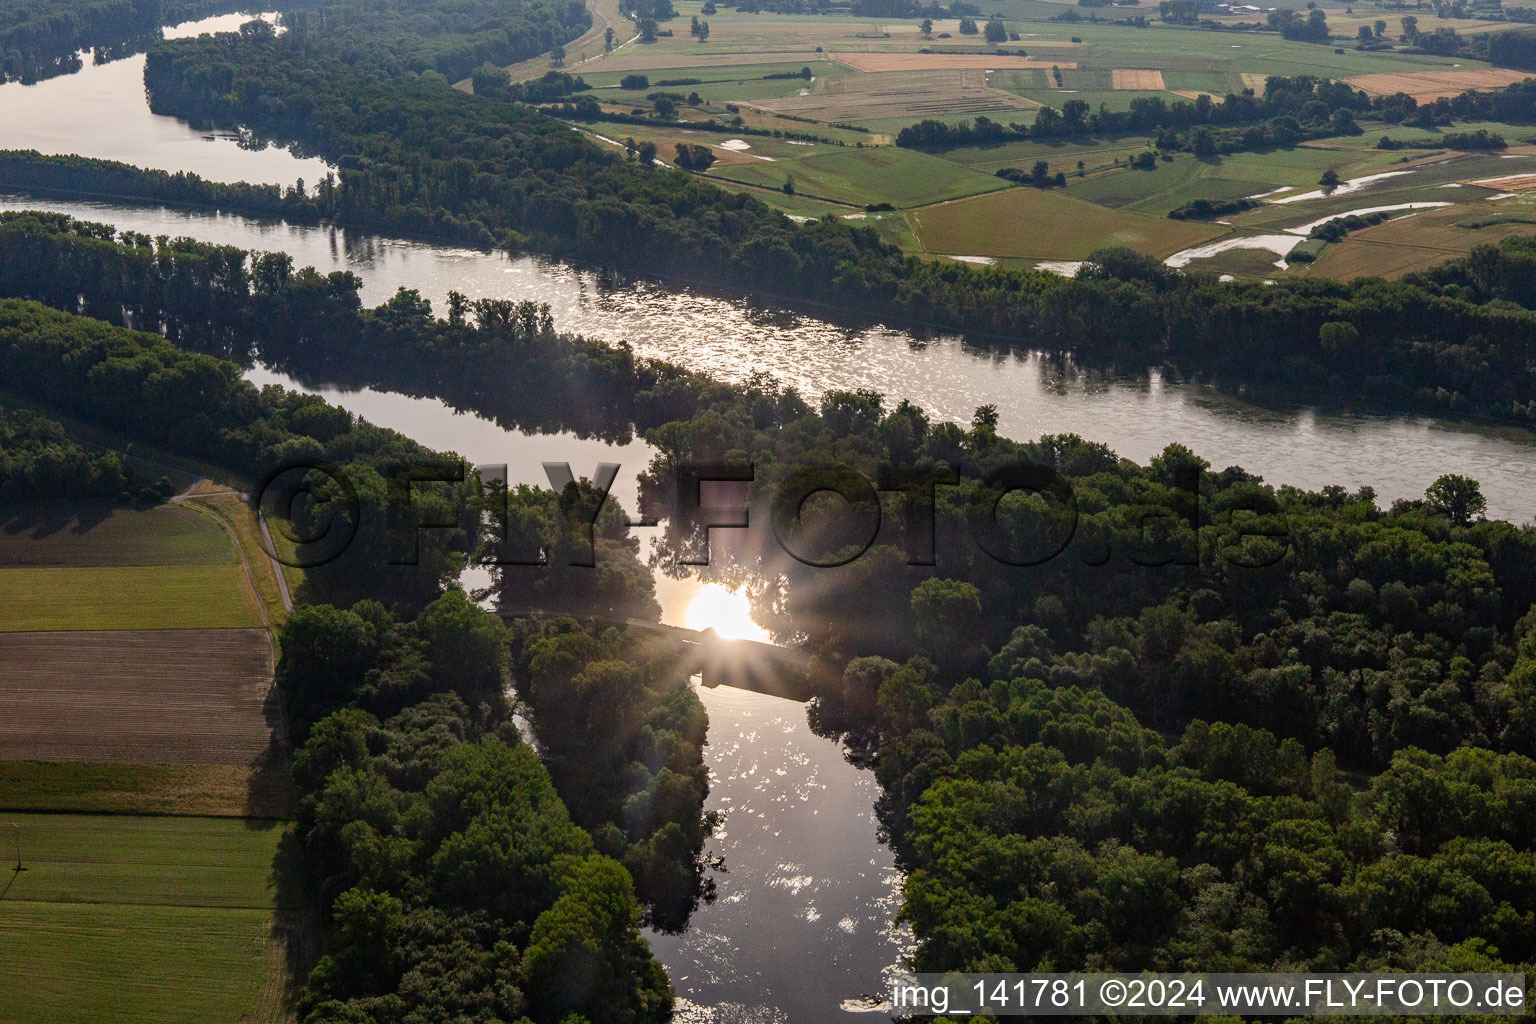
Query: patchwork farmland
[136,679]
[878,62]
[820,101]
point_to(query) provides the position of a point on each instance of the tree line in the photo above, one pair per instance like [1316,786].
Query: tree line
[39,461]
[1436,341]
[35,35]
[1289,111]
[41,38]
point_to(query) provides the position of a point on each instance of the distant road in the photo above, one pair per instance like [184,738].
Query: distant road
[583,49]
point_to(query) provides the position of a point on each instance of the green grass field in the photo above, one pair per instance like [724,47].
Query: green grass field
[901,177]
[75,535]
[237,515]
[1168,48]
[126,597]
[153,920]
[69,963]
[150,861]
[1046,224]
[103,788]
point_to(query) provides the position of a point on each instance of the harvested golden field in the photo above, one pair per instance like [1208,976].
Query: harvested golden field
[892,94]
[943,61]
[1432,85]
[1146,80]
[154,697]
[1255,81]
[1507,183]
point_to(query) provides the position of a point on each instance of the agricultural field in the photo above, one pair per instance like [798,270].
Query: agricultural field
[1033,223]
[127,597]
[142,756]
[154,696]
[878,99]
[1425,86]
[1415,243]
[148,920]
[901,177]
[238,519]
[173,566]
[63,535]
[102,787]
[855,83]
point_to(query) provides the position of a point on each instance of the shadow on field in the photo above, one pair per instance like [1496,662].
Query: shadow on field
[41,520]
[269,793]
[295,938]
[293,944]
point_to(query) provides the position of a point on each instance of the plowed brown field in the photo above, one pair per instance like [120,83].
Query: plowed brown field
[154,697]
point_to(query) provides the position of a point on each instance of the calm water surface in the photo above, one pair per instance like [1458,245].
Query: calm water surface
[795,935]
[101,111]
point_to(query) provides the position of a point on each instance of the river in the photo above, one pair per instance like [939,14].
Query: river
[101,111]
[802,920]
[733,338]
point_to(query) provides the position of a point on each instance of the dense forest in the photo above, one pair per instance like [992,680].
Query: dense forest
[39,461]
[396,37]
[1162,716]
